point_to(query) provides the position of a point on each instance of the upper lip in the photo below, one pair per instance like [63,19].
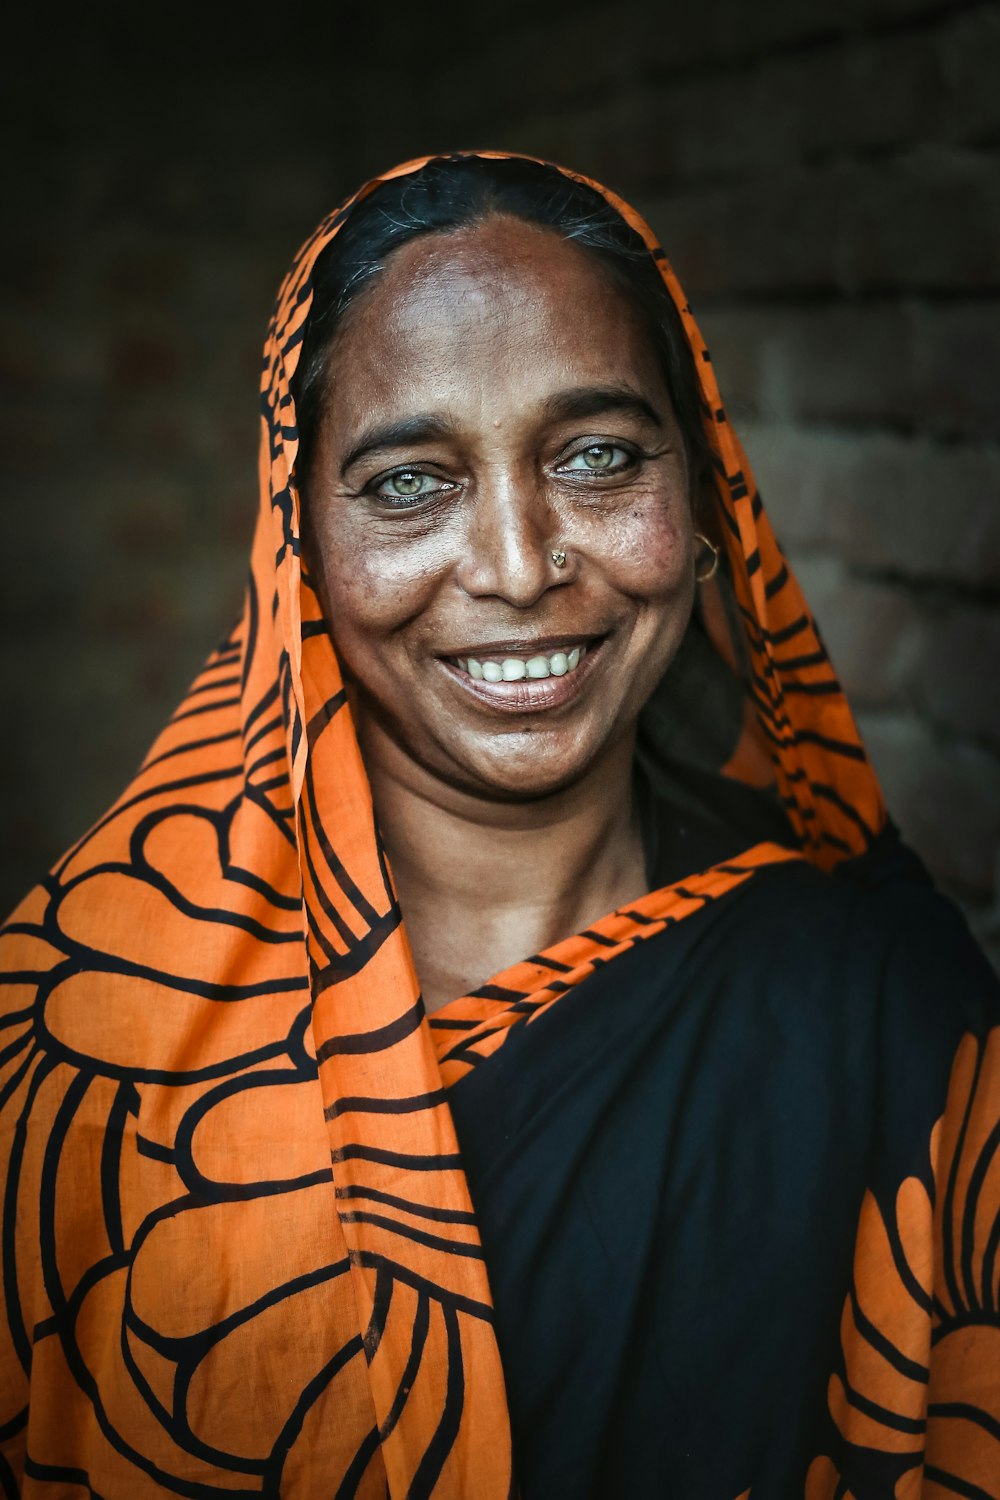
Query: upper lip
[543,645]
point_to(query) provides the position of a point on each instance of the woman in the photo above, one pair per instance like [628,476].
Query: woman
[664,1134]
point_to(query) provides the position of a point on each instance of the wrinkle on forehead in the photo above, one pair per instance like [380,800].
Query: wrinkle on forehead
[473,307]
[491,273]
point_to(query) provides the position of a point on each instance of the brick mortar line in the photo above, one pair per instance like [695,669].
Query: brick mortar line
[911,297]
[690,183]
[846,36]
[944,590]
[759,425]
[682,189]
[744,413]
[878,715]
[935,588]
[927,18]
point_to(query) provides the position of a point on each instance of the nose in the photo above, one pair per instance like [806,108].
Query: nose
[509,540]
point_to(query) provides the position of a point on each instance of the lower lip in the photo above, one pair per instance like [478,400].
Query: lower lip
[529,695]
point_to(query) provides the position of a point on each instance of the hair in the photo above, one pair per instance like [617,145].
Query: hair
[450,193]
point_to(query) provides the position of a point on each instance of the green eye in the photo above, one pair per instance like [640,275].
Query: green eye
[407,482]
[406,487]
[600,458]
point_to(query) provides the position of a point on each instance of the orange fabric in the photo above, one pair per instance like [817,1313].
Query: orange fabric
[472,1028]
[921,1387]
[225,1275]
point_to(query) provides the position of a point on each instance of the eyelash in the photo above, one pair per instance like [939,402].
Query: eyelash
[632,456]
[411,502]
[406,502]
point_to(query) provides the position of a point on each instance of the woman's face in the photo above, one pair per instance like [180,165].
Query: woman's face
[492,399]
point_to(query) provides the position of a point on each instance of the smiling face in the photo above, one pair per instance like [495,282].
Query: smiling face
[493,399]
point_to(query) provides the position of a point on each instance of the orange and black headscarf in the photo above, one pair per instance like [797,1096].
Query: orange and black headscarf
[241,1255]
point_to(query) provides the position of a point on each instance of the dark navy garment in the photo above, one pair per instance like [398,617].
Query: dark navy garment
[668,1168]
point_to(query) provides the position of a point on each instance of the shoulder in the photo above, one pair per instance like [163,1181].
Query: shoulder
[870,960]
[877,921]
[918,942]
[868,982]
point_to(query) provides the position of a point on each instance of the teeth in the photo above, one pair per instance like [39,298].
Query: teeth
[515,668]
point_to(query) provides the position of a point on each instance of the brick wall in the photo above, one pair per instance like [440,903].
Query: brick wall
[824,176]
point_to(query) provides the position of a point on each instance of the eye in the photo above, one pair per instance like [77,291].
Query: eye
[406,487]
[599,458]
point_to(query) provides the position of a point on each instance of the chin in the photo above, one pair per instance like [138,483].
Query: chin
[527,774]
[506,766]
[534,788]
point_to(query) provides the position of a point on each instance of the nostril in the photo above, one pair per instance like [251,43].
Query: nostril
[522,583]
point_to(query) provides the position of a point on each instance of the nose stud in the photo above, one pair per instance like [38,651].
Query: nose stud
[559,558]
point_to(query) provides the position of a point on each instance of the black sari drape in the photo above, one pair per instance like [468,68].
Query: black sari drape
[668,1169]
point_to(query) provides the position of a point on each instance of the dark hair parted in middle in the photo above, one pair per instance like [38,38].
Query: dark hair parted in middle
[453,192]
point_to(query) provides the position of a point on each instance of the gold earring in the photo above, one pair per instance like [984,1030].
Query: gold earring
[559,558]
[713,568]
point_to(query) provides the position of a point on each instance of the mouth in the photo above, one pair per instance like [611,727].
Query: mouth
[525,676]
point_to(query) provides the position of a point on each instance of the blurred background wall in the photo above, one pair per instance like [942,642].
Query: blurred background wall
[824,175]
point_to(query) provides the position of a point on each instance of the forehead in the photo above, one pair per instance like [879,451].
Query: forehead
[499,312]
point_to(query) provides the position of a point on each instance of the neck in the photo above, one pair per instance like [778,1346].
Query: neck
[484,884]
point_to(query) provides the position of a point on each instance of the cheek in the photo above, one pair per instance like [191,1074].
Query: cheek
[372,585]
[648,546]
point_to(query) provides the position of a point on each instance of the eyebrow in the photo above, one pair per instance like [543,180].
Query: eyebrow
[420,429]
[564,406]
[595,400]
